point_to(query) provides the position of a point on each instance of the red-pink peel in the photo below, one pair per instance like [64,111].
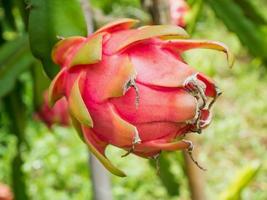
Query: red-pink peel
[130,88]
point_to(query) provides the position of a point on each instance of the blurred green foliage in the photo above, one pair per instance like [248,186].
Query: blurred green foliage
[242,179]
[108,6]
[56,161]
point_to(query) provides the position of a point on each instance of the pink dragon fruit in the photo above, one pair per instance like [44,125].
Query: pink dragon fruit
[57,115]
[5,192]
[178,11]
[130,88]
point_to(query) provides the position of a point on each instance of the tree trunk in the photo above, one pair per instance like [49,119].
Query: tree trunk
[100,179]
[158,9]
[99,175]
[194,175]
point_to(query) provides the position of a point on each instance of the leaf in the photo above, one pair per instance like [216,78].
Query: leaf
[1,33]
[193,16]
[49,19]
[241,181]
[24,12]
[235,20]
[15,57]
[251,11]
[8,6]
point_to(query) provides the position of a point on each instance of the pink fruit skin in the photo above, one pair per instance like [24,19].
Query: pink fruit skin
[130,88]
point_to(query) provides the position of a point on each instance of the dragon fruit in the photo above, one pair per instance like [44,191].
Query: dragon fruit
[5,192]
[131,88]
[56,115]
[178,11]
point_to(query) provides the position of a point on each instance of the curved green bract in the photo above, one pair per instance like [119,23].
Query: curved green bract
[90,52]
[77,106]
[55,90]
[147,32]
[120,24]
[77,126]
[64,47]
[181,45]
[108,165]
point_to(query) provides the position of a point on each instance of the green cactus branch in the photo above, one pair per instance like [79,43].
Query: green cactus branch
[16,112]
